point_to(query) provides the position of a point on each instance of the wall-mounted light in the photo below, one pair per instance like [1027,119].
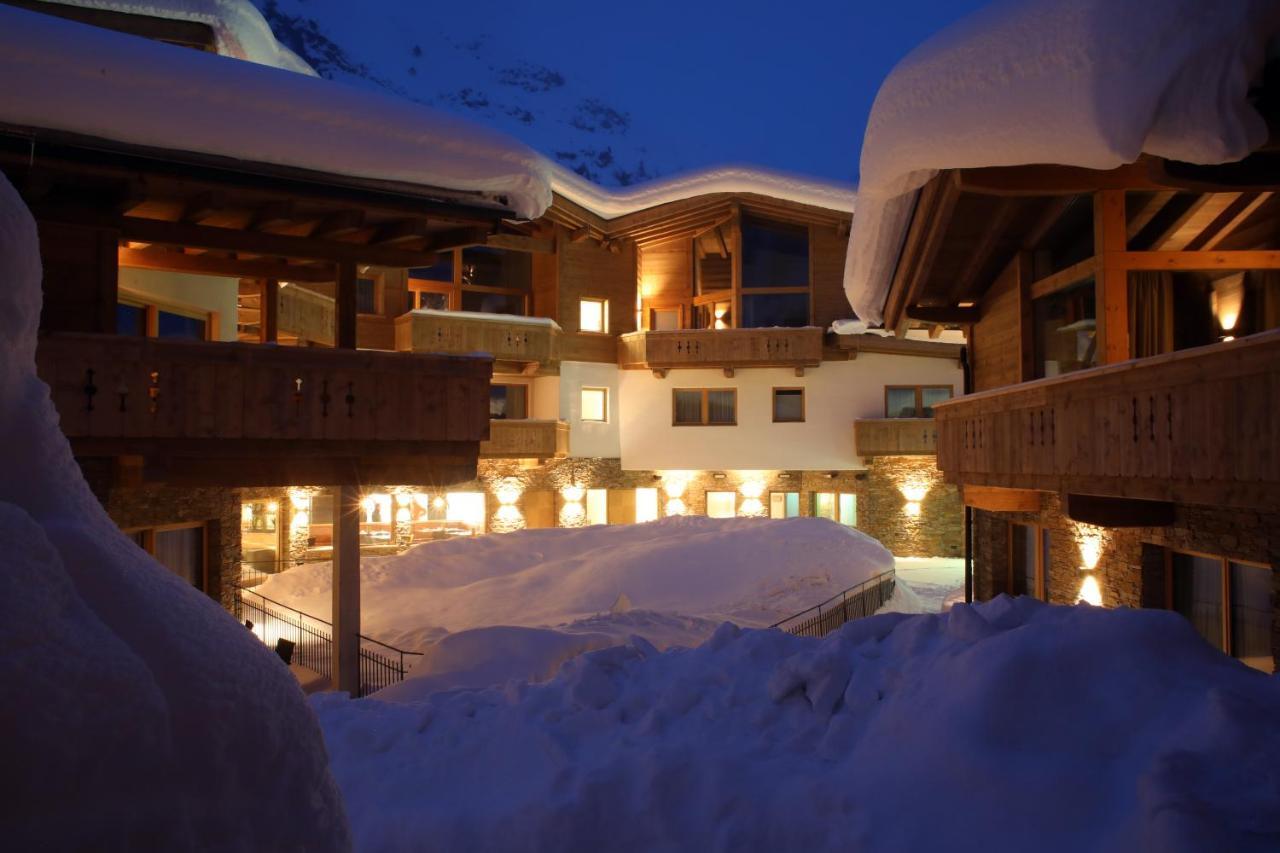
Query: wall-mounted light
[912,508]
[1227,300]
[508,491]
[752,489]
[1090,592]
[914,490]
[300,499]
[1090,540]
[573,494]
[675,506]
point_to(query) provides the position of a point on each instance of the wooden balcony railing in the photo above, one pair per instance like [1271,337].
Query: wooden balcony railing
[1197,426]
[728,348]
[896,437]
[244,414]
[526,440]
[527,341]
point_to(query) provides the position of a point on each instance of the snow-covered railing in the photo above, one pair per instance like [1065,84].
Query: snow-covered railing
[381,665]
[854,603]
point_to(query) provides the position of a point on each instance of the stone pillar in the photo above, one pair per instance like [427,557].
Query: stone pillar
[346,589]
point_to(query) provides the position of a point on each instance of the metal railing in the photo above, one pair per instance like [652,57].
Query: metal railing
[855,602]
[381,665]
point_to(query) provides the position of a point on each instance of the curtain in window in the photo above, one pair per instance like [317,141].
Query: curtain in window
[720,407]
[688,407]
[182,552]
[1150,313]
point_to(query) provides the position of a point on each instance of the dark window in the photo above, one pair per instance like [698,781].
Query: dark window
[496,268]
[788,405]
[714,274]
[913,401]
[900,402]
[774,254]
[493,303]
[366,296]
[172,325]
[929,397]
[508,402]
[1197,594]
[181,551]
[131,320]
[1065,330]
[1023,559]
[762,311]
[704,406]
[442,270]
[432,300]
[1251,615]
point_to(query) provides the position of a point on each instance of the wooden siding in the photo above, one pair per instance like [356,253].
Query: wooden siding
[721,348]
[306,314]
[80,278]
[211,401]
[589,269]
[896,437]
[1197,426]
[510,340]
[996,342]
[526,440]
[827,248]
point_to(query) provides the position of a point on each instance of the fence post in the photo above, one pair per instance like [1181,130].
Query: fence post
[346,590]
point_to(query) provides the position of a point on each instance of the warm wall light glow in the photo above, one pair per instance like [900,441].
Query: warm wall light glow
[508,491]
[300,499]
[912,508]
[300,521]
[752,490]
[1227,300]
[403,516]
[573,494]
[914,489]
[246,513]
[1090,592]
[675,506]
[438,503]
[573,515]
[507,519]
[674,483]
[751,508]
[1090,539]
[273,507]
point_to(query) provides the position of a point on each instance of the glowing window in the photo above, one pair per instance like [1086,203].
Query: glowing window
[595,404]
[597,505]
[722,504]
[646,505]
[593,315]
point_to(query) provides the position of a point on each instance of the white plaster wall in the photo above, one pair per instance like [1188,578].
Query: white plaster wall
[546,398]
[186,290]
[836,394]
[590,439]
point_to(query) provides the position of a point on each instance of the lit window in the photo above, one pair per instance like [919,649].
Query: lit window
[595,404]
[665,319]
[841,507]
[597,506]
[593,315]
[784,504]
[788,405]
[466,508]
[722,504]
[646,505]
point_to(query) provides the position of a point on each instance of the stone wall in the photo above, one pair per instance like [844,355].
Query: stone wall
[1251,536]
[906,505]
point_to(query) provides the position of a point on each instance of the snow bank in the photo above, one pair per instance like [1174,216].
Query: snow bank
[751,571]
[1010,726]
[1091,83]
[61,75]
[614,202]
[136,712]
[239,30]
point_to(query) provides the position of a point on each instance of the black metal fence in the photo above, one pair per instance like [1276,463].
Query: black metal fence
[854,603]
[381,665]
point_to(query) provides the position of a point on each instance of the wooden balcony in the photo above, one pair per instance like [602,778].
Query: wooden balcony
[1199,426]
[527,343]
[243,414]
[526,440]
[726,348]
[896,437]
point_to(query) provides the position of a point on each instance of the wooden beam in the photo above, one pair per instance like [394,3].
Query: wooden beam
[1048,179]
[580,234]
[339,224]
[1188,225]
[1053,212]
[924,237]
[1230,221]
[454,238]
[1111,278]
[996,499]
[980,256]
[346,590]
[345,307]
[210,264]
[1119,512]
[1245,260]
[273,215]
[954,316]
[401,231]
[201,207]
[721,243]
[1065,278]
[518,243]
[269,312]
[1143,216]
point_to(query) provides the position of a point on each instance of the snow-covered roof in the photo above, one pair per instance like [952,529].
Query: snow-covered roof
[519,319]
[65,76]
[1089,83]
[610,203]
[239,30]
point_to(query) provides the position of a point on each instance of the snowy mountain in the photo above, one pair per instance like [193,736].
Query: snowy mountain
[479,76]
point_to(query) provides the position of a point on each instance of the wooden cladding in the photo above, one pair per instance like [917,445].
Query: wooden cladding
[526,440]
[122,396]
[504,338]
[896,437]
[728,348]
[1196,426]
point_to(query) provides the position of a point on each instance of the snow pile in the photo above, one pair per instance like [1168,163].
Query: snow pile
[239,29]
[669,581]
[136,712]
[1091,83]
[1010,726]
[613,202]
[61,75]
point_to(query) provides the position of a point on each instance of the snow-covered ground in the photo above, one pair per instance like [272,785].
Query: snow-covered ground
[937,582]
[1008,726]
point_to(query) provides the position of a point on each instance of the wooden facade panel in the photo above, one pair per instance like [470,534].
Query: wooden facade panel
[827,274]
[81,277]
[506,339]
[896,437]
[666,272]
[996,342]
[775,347]
[526,440]
[589,269]
[1196,426]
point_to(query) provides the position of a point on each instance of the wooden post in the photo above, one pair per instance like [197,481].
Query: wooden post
[1110,240]
[269,311]
[345,307]
[346,589]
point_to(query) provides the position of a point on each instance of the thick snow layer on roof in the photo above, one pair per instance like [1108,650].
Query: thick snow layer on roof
[239,29]
[1009,726]
[61,75]
[671,581]
[1091,83]
[610,203]
[136,713]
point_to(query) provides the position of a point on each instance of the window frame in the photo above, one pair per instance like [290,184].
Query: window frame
[604,390]
[1224,565]
[148,543]
[804,406]
[456,288]
[706,502]
[784,493]
[152,308]
[1039,531]
[919,391]
[528,395]
[604,315]
[705,408]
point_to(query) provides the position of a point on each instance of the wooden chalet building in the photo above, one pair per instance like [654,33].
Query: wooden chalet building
[1121,444]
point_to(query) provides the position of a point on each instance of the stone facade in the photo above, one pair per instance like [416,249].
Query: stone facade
[1126,573]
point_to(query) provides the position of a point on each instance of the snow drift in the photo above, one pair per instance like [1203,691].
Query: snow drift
[1008,726]
[137,713]
[1091,83]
